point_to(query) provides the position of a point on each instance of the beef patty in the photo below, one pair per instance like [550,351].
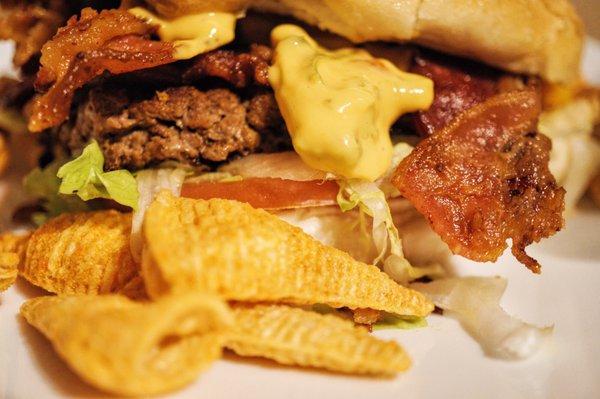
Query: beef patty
[138,127]
[183,124]
[190,121]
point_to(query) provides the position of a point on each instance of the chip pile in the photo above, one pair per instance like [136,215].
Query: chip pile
[214,274]
[299,337]
[133,348]
[12,248]
[81,253]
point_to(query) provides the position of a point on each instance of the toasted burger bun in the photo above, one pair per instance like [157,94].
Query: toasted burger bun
[177,8]
[537,37]
[575,156]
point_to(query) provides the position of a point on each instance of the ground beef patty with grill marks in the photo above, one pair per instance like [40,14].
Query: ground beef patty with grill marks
[183,124]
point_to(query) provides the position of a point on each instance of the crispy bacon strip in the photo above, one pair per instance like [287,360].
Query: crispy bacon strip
[112,40]
[459,85]
[485,178]
[241,69]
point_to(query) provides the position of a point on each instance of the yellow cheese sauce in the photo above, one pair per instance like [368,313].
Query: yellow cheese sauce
[192,34]
[339,105]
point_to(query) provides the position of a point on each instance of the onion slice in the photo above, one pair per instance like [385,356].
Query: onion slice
[475,303]
[150,182]
[283,165]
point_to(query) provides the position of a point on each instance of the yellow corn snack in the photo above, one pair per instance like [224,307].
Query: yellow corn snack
[298,337]
[131,348]
[247,254]
[12,249]
[81,253]
[9,263]
[15,243]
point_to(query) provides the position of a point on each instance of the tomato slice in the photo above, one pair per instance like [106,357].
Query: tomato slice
[267,192]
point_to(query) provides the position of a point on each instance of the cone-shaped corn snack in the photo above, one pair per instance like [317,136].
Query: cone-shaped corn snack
[81,253]
[247,254]
[12,249]
[132,348]
[299,337]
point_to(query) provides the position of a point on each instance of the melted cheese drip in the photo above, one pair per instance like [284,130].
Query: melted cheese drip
[339,105]
[192,34]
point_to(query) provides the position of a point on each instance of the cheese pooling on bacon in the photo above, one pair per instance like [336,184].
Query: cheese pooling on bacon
[117,41]
[192,34]
[339,105]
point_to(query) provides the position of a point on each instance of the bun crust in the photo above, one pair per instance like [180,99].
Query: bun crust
[537,37]
[176,8]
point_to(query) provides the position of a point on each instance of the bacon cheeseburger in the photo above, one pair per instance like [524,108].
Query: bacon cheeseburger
[465,117]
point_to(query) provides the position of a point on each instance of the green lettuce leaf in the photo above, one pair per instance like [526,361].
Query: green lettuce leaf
[371,200]
[85,177]
[43,184]
[391,321]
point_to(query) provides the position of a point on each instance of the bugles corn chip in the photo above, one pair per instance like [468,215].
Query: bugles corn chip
[247,254]
[132,348]
[12,249]
[81,253]
[9,263]
[298,337]
[15,243]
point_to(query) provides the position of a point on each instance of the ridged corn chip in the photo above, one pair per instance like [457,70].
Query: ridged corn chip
[9,263]
[247,254]
[131,348]
[12,249]
[298,337]
[81,253]
[15,243]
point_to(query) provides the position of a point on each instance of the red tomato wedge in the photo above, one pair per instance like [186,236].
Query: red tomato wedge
[267,192]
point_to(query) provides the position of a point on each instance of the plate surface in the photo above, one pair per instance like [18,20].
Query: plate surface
[447,362]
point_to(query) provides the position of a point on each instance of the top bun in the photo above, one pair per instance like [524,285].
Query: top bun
[176,8]
[537,37]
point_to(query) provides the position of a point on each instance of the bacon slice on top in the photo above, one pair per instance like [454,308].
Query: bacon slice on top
[241,69]
[112,40]
[459,84]
[484,179]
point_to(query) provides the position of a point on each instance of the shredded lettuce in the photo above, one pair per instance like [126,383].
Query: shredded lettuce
[372,201]
[85,177]
[475,302]
[215,177]
[370,198]
[150,182]
[391,321]
[388,321]
[44,184]
[401,150]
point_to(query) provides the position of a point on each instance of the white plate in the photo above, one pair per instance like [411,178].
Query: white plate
[447,362]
